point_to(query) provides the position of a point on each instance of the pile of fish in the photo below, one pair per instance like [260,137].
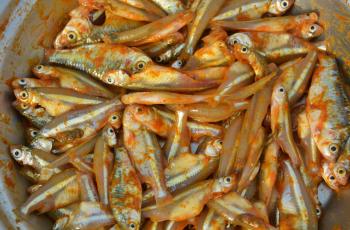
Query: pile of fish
[166,114]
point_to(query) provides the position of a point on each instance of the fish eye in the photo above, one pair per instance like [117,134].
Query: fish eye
[22,82]
[110,131]
[114,118]
[33,133]
[132,225]
[16,153]
[24,94]
[110,80]
[139,109]
[235,41]
[341,171]
[158,59]
[39,67]
[332,178]
[244,49]
[284,4]
[334,148]
[312,28]
[177,64]
[140,65]
[24,106]
[228,180]
[281,90]
[72,36]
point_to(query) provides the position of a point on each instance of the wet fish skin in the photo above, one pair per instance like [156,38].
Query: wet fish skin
[125,192]
[101,113]
[195,197]
[100,59]
[170,6]
[56,101]
[36,116]
[249,10]
[281,124]
[73,79]
[59,191]
[155,77]
[328,109]
[32,83]
[146,155]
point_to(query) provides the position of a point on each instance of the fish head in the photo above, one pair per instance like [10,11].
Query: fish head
[213,147]
[242,52]
[75,33]
[31,133]
[21,154]
[328,175]
[342,166]
[43,71]
[142,112]
[240,38]
[279,95]
[139,62]
[115,119]
[129,218]
[279,7]
[110,135]
[23,95]
[311,30]
[224,184]
[116,77]
[20,83]
[20,106]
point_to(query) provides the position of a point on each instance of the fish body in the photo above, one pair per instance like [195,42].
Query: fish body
[125,193]
[101,59]
[328,109]
[38,117]
[73,79]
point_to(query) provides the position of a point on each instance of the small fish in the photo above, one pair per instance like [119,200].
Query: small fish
[33,83]
[161,122]
[56,101]
[206,10]
[61,190]
[312,155]
[88,191]
[82,30]
[328,109]
[101,114]
[146,154]
[179,140]
[73,79]
[277,47]
[170,6]
[303,26]
[37,116]
[231,205]
[152,32]
[102,166]
[281,124]
[36,159]
[211,55]
[204,112]
[165,98]
[155,77]
[102,59]
[295,204]
[342,166]
[157,48]
[90,215]
[256,60]
[125,192]
[296,78]
[190,201]
[249,10]
[268,172]
[187,168]
[254,154]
